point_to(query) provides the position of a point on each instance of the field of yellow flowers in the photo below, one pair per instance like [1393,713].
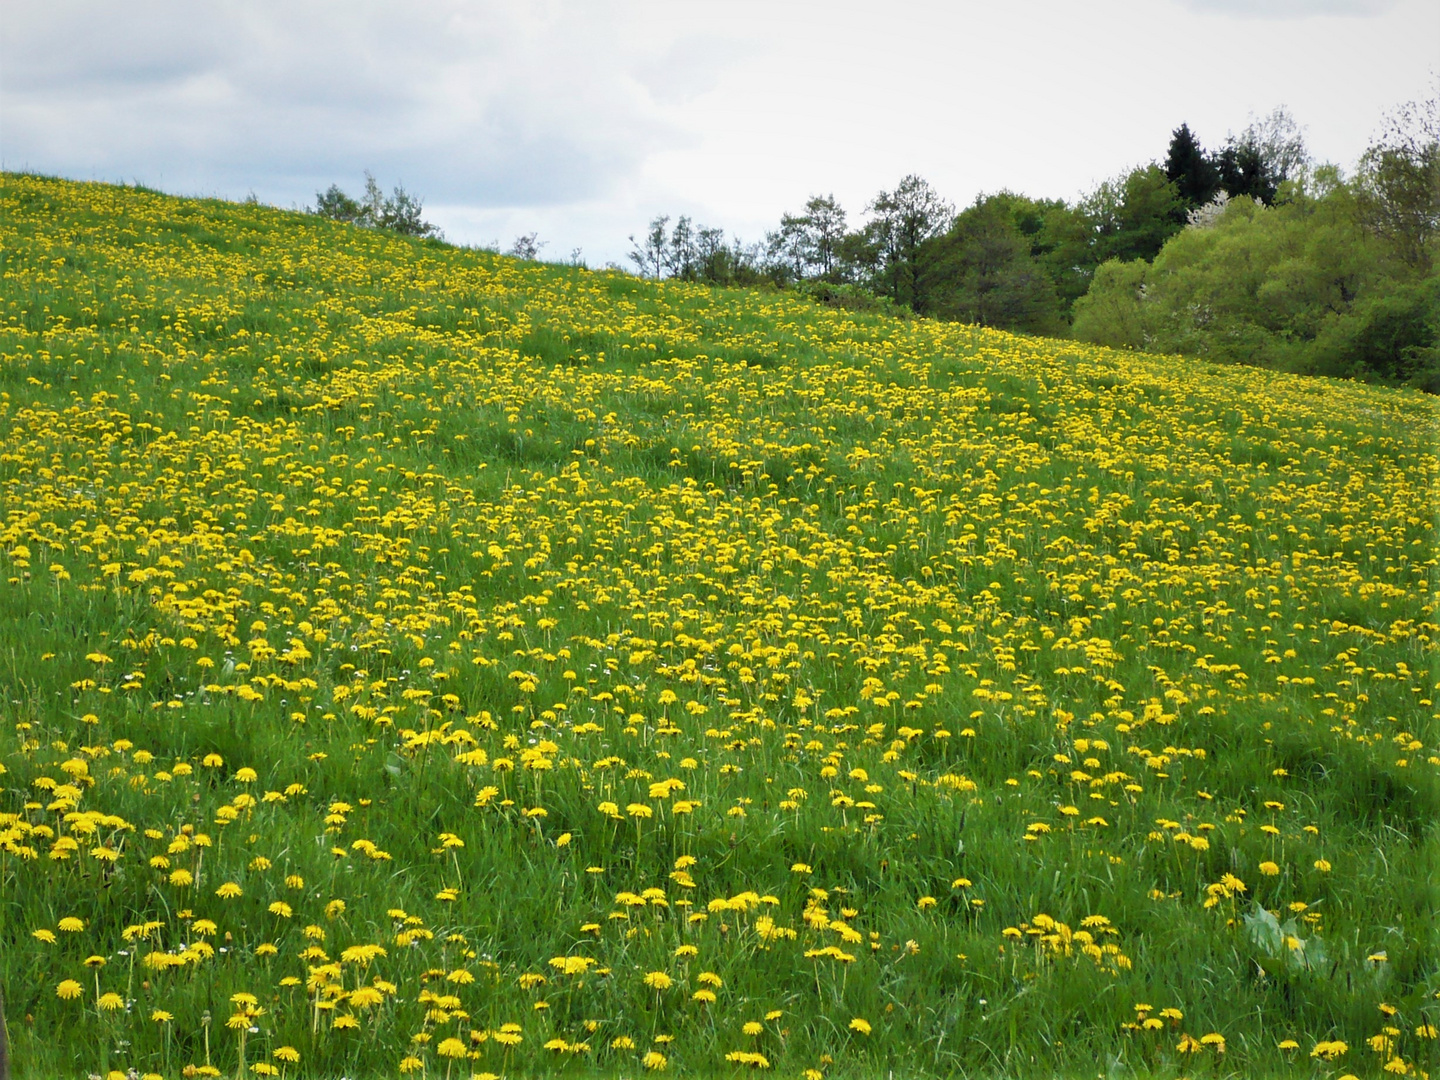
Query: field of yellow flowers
[421,662]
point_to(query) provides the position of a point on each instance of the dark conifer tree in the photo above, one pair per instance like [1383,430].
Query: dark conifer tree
[1244,171]
[1194,175]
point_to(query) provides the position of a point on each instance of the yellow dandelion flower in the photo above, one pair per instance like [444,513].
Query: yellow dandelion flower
[68,990]
[451,1048]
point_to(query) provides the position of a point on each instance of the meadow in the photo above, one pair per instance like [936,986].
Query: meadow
[422,662]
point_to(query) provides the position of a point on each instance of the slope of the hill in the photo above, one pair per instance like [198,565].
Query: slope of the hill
[416,660]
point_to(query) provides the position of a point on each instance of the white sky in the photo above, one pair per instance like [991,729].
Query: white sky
[584,119]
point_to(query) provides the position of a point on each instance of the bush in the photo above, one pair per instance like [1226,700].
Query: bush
[1394,336]
[851,298]
[400,212]
[1300,286]
[1111,313]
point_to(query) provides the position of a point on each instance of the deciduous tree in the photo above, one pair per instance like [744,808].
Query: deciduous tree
[650,252]
[905,219]
[1399,182]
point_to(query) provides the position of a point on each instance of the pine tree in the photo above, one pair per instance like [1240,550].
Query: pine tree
[1244,171]
[1193,173]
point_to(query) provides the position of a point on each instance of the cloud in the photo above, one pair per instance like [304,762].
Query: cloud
[1292,9]
[482,103]
[585,118]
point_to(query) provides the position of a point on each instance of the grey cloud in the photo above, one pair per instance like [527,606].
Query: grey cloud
[497,104]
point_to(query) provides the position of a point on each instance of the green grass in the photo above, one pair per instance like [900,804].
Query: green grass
[904,603]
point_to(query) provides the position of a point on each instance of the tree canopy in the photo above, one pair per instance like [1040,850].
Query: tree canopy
[1248,252]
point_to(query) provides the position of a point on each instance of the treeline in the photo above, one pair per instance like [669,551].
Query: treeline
[1249,253]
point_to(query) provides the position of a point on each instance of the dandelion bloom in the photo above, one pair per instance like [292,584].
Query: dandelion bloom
[748,1057]
[1269,869]
[229,891]
[111,1001]
[658,980]
[68,990]
[655,1060]
[862,1026]
[451,1048]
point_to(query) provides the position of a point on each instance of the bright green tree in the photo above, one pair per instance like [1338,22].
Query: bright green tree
[1300,285]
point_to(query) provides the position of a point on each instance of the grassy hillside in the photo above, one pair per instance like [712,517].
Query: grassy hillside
[421,661]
